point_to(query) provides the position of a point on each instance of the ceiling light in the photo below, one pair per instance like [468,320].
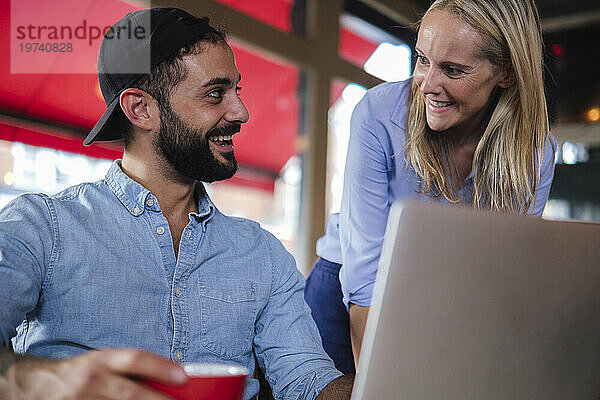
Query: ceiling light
[593,114]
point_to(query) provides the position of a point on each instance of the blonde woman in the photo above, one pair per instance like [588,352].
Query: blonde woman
[469,128]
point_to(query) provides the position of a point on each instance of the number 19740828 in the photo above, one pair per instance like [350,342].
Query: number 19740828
[35,47]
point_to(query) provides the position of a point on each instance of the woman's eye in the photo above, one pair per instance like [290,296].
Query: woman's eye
[453,71]
[422,59]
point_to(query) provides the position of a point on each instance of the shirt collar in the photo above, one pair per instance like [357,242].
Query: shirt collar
[136,198]
[206,207]
[398,115]
[130,193]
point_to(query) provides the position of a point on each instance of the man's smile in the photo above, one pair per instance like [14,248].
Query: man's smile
[224,143]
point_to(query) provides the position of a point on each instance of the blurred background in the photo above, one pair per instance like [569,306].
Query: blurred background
[305,64]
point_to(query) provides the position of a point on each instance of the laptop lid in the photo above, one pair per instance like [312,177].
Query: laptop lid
[481,305]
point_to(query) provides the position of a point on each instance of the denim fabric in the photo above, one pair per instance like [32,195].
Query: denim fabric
[323,294]
[94,267]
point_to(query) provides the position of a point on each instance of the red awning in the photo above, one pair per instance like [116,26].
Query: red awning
[269,88]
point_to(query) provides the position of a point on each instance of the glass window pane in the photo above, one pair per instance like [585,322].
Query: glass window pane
[376,51]
[26,168]
[344,98]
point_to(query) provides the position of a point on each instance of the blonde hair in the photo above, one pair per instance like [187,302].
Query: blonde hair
[513,143]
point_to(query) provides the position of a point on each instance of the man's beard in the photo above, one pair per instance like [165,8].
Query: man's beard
[188,152]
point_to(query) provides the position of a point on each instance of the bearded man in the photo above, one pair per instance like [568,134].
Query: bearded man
[125,278]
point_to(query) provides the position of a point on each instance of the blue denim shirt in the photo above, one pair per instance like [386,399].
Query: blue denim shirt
[94,267]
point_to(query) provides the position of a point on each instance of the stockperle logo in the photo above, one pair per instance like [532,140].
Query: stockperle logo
[47,36]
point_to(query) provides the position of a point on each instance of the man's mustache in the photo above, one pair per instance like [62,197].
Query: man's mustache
[225,130]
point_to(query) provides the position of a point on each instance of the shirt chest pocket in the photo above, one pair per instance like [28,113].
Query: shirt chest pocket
[227,317]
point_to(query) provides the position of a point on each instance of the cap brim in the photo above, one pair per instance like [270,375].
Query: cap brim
[109,126]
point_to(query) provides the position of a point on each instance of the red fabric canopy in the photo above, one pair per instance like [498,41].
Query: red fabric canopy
[269,88]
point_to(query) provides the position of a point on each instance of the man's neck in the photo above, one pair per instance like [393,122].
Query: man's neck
[176,199]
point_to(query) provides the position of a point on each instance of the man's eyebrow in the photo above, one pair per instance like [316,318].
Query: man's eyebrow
[221,81]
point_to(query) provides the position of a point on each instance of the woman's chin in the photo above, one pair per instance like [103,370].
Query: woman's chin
[436,126]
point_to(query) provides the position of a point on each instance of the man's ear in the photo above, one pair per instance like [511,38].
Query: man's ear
[140,108]
[508,77]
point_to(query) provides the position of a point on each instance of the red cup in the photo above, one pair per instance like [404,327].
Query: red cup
[208,382]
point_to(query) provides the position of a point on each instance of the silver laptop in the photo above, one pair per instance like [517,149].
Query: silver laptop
[479,305]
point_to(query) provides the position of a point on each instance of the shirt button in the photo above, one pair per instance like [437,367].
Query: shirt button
[177,291]
[136,210]
[178,355]
[150,202]
[160,230]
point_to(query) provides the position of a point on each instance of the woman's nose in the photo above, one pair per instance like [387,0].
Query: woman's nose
[430,81]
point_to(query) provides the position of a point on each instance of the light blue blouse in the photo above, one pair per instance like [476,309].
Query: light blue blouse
[376,175]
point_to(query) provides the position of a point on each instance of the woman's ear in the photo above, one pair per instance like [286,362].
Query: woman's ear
[140,108]
[508,77]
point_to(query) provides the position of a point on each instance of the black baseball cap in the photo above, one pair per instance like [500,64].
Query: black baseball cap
[130,49]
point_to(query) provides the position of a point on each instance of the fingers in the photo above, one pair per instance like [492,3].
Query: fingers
[119,387]
[142,364]
[105,374]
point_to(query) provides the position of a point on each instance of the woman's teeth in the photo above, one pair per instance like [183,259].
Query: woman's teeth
[440,103]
